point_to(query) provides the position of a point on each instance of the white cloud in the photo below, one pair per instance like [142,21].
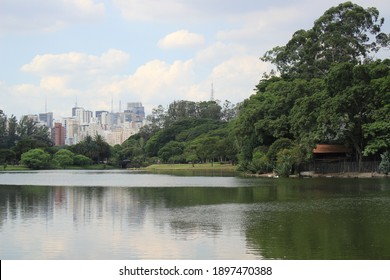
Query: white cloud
[235,79]
[263,27]
[157,81]
[46,15]
[218,52]
[76,64]
[181,39]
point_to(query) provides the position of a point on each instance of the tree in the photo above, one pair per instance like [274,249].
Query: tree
[28,128]
[64,158]
[346,33]
[229,111]
[3,130]
[12,131]
[36,159]
[171,150]
[304,116]
[87,147]
[277,146]
[284,163]
[207,147]
[103,149]
[209,110]
[81,160]
[6,156]
[260,163]
[377,131]
[29,135]
[384,166]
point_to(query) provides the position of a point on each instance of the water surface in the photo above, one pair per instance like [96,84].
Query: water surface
[137,215]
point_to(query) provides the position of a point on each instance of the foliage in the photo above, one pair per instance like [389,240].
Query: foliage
[346,33]
[64,158]
[23,135]
[187,132]
[171,152]
[183,109]
[260,163]
[81,160]
[350,106]
[94,148]
[277,146]
[36,159]
[6,156]
[284,163]
[384,166]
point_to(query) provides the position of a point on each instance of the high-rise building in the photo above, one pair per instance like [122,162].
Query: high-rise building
[83,116]
[135,112]
[32,117]
[71,126]
[58,134]
[47,119]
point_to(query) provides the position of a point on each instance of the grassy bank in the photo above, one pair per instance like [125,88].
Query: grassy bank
[200,167]
[87,167]
[91,167]
[13,168]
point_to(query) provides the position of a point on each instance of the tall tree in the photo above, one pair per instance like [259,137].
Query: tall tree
[103,149]
[3,130]
[346,33]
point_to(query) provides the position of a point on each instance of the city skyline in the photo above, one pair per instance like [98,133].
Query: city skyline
[114,126]
[54,52]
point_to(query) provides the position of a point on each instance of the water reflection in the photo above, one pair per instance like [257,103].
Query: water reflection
[272,219]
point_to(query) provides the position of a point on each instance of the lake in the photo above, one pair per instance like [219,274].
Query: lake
[123,214]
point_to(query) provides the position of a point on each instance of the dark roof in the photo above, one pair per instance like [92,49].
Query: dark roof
[331,149]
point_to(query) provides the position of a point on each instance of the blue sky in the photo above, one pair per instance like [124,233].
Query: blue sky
[151,51]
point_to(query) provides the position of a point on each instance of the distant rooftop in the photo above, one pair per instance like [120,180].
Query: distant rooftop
[331,149]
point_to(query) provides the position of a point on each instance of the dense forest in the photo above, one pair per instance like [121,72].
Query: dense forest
[327,87]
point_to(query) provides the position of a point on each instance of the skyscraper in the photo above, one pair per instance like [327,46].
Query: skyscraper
[58,134]
[47,119]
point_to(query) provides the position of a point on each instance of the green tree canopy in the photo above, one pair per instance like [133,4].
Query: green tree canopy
[36,159]
[345,33]
[64,158]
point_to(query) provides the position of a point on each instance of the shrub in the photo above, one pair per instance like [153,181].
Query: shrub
[260,163]
[284,162]
[63,158]
[81,160]
[277,146]
[36,159]
[384,166]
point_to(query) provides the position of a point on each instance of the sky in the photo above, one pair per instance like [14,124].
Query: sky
[103,53]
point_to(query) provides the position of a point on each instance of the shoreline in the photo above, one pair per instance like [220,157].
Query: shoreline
[213,167]
[232,168]
[190,167]
[358,175]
